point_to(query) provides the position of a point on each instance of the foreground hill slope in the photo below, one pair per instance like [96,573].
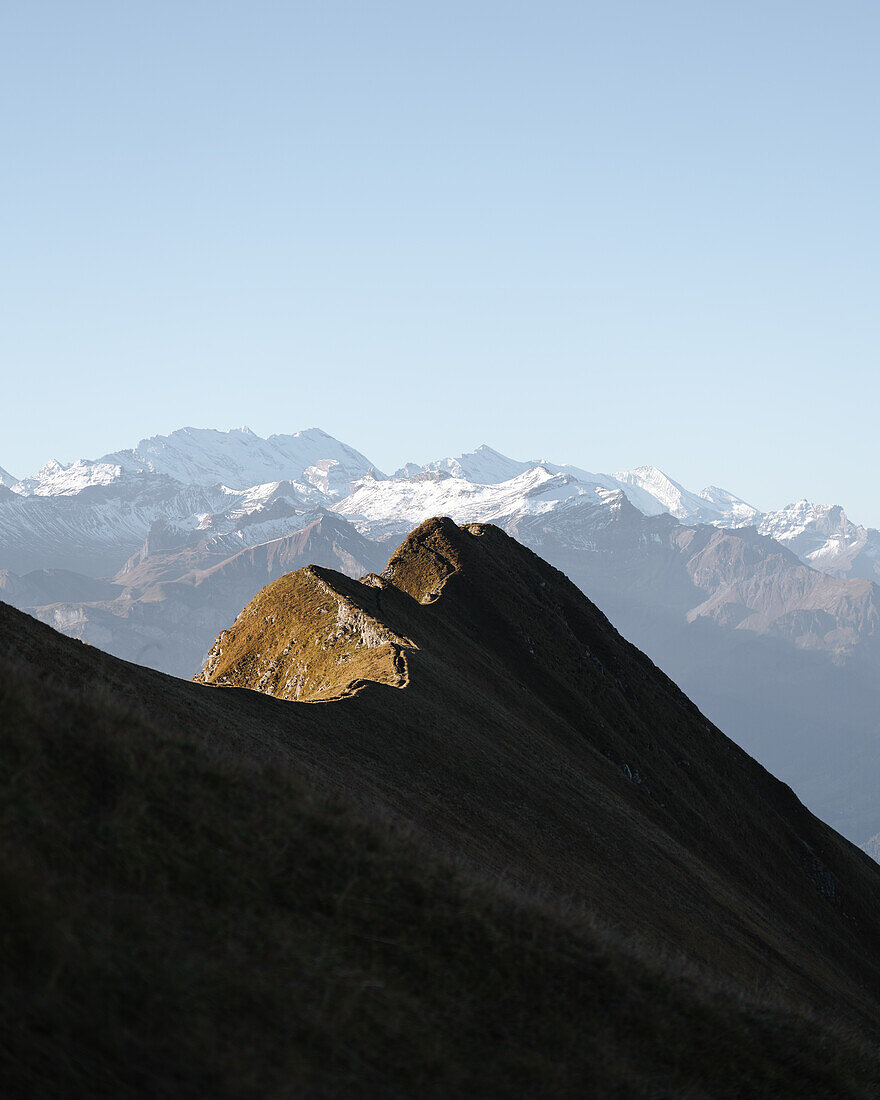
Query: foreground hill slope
[209,893]
[493,705]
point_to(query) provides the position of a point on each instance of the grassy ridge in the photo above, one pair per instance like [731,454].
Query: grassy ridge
[179,922]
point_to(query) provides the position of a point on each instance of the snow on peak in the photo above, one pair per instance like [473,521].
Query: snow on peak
[795,519]
[486,466]
[652,491]
[482,466]
[824,537]
[240,458]
[392,507]
[732,508]
[236,478]
[648,481]
[321,466]
[57,480]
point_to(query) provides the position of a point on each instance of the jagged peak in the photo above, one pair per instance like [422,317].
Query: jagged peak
[425,559]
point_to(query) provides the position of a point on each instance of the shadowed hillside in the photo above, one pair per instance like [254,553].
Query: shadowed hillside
[411,887]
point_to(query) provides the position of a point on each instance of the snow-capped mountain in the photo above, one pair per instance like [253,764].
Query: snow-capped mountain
[483,466]
[711,505]
[823,537]
[390,508]
[240,520]
[648,488]
[94,529]
[237,459]
[93,514]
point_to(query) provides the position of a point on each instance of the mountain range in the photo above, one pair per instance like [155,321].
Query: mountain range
[768,620]
[439,831]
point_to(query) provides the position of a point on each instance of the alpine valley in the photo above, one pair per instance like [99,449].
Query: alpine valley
[770,622]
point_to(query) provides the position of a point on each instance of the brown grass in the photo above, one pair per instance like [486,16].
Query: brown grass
[304,640]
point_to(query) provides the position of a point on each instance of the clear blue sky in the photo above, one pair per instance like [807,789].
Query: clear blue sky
[612,234]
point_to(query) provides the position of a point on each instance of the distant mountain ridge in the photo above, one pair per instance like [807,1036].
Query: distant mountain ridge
[321,471]
[237,459]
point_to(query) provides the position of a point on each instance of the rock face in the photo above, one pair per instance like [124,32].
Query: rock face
[786,658]
[732,578]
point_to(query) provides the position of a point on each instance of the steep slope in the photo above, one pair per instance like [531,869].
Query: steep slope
[188,916]
[124,516]
[784,658]
[744,630]
[531,739]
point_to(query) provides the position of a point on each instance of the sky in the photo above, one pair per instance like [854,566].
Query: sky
[607,234]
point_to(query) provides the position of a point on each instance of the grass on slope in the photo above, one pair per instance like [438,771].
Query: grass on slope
[176,922]
[300,639]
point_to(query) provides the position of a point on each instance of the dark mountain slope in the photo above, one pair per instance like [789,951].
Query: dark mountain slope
[184,920]
[784,658]
[533,739]
[190,915]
